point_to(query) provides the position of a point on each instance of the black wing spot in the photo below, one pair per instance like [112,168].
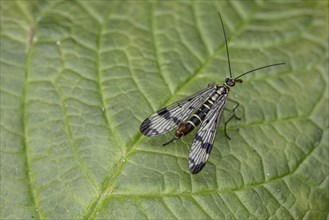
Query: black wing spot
[198,138]
[162,111]
[207,146]
[176,120]
[197,168]
[166,116]
[145,125]
[146,128]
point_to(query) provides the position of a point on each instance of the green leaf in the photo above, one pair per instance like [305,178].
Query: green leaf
[79,77]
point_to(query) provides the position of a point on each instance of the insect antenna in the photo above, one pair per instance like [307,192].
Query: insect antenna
[228,55]
[259,68]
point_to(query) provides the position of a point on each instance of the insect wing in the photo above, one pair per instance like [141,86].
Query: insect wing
[204,139]
[173,115]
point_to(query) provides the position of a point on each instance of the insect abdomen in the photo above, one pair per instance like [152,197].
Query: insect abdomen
[198,117]
[195,120]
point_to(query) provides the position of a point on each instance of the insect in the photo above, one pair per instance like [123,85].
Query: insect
[203,108]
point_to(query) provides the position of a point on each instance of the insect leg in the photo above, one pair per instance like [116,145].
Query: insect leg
[235,107]
[232,111]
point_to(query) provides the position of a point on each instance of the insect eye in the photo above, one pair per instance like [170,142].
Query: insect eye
[229,82]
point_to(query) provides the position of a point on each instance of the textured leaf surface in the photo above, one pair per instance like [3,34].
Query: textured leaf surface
[77,79]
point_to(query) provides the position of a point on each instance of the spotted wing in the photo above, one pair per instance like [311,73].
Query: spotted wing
[204,139]
[173,115]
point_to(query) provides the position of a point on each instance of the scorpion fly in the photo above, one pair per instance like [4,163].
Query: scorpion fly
[203,109]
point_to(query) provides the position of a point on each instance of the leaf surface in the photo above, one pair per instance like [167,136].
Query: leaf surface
[78,78]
